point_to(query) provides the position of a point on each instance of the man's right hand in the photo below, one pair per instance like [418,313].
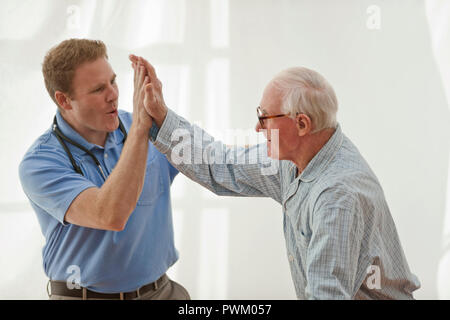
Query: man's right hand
[153,100]
[140,116]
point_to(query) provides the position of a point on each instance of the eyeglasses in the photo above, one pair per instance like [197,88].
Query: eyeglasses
[262,117]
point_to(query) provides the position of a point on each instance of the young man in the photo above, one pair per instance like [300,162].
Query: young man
[99,188]
[340,237]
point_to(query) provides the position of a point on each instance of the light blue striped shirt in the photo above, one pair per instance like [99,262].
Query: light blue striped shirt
[340,237]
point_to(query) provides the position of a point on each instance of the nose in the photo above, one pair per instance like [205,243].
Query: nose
[113,92]
[257,127]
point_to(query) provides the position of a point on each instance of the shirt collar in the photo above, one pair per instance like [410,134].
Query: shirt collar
[323,157]
[112,139]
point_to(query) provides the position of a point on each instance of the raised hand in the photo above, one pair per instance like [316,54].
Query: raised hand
[140,115]
[153,98]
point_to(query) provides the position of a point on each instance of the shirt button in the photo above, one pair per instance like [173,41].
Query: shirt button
[291,258]
[106,156]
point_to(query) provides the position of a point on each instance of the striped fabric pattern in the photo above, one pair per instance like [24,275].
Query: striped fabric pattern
[341,239]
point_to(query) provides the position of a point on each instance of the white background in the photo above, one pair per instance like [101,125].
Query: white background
[387,60]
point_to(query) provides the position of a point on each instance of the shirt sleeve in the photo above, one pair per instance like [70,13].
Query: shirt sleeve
[153,133]
[333,251]
[224,170]
[50,182]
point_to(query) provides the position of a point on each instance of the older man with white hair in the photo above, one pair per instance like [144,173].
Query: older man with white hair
[341,239]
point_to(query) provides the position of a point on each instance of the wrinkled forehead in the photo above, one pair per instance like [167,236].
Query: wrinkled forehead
[271,99]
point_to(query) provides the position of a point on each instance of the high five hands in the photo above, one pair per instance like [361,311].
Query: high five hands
[141,81]
[153,101]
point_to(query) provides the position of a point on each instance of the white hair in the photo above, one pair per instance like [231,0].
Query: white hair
[306,91]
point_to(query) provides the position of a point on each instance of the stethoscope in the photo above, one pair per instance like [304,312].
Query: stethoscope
[62,137]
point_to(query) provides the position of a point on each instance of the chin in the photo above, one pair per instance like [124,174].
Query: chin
[273,152]
[113,127]
[274,156]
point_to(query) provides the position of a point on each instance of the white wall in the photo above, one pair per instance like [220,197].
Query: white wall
[214,59]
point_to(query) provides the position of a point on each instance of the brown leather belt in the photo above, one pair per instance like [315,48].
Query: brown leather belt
[60,288]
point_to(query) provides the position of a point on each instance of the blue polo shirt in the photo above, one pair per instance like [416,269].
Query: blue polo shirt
[103,261]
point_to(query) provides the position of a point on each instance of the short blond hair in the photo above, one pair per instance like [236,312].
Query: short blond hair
[306,91]
[61,61]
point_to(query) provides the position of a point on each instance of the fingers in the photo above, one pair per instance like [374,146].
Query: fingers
[141,96]
[149,98]
[136,65]
[150,69]
[139,76]
[145,82]
[148,88]
[149,92]
[135,74]
[133,58]
[142,90]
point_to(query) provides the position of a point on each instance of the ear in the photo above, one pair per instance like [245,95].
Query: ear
[63,100]
[303,124]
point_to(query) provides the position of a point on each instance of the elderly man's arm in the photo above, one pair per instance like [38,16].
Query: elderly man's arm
[228,171]
[232,171]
